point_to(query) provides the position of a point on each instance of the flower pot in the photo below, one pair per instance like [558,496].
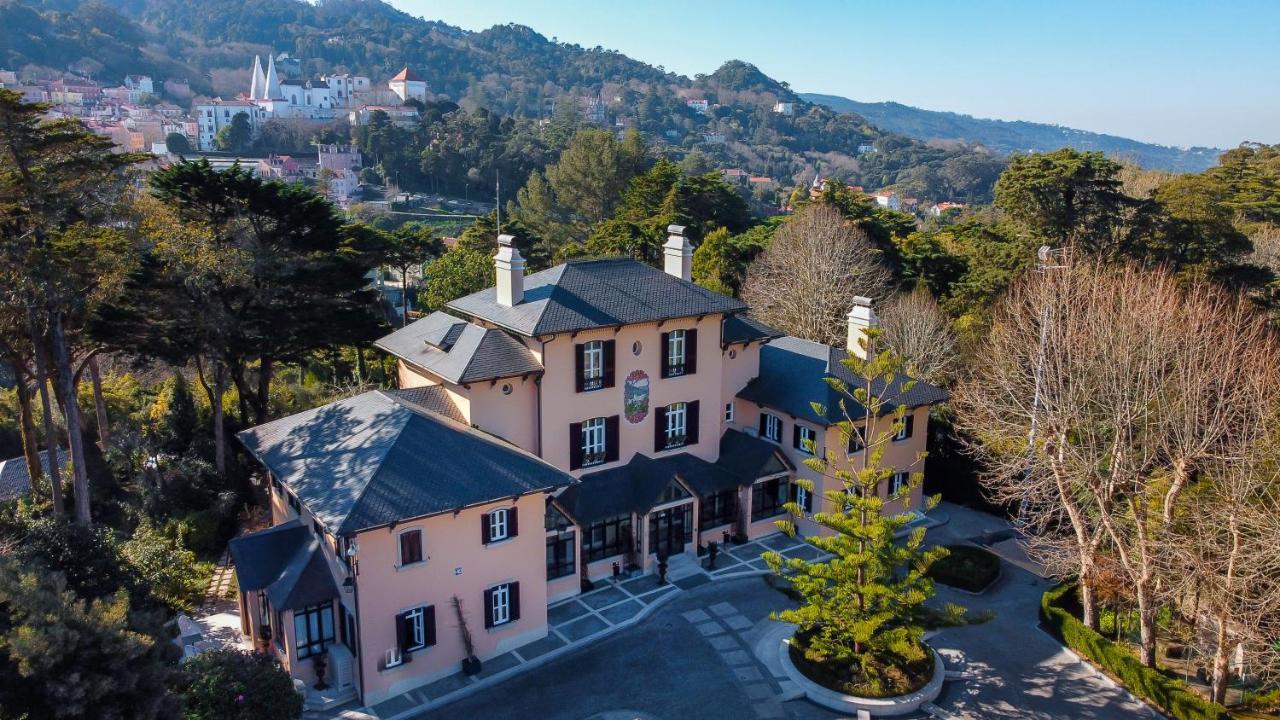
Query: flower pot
[471,665]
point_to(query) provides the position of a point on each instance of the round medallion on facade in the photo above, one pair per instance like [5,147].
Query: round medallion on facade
[635,348]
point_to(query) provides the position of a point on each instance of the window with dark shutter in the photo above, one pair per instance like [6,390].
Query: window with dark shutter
[795,436]
[857,440]
[488,608]
[608,362]
[690,352]
[663,369]
[575,446]
[659,429]
[429,626]
[486,531]
[579,368]
[611,438]
[410,547]
[513,527]
[908,426]
[691,423]
[514,589]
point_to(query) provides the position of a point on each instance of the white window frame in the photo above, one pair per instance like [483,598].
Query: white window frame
[676,355]
[593,365]
[899,483]
[501,604]
[801,496]
[810,436]
[902,432]
[772,427]
[499,525]
[418,629]
[594,441]
[677,424]
[394,657]
[728,412]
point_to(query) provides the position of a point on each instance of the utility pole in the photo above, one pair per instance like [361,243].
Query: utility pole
[1047,259]
[497,199]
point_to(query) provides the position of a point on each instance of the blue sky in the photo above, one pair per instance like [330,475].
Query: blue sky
[1173,72]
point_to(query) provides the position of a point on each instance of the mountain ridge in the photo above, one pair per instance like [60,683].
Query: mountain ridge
[1011,136]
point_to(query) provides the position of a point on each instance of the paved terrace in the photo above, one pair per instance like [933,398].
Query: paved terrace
[584,619]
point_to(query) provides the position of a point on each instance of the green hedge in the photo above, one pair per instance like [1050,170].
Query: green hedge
[1168,694]
[967,567]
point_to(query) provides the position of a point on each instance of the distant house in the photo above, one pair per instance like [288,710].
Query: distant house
[15,480]
[761,181]
[713,138]
[887,198]
[213,115]
[938,209]
[737,176]
[408,86]
[698,105]
[865,148]
[402,115]
[279,167]
[784,108]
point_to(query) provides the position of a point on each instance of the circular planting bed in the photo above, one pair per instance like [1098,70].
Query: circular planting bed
[835,690]
[968,567]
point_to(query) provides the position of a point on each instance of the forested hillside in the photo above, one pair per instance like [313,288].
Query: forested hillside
[511,71]
[1004,136]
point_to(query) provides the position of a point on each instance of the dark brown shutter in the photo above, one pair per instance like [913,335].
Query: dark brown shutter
[910,425]
[579,369]
[764,417]
[429,625]
[513,596]
[488,608]
[659,429]
[691,423]
[513,528]
[404,636]
[664,360]
[608,362]
[484,529]
[611,448]
[690,352]
[575,446]
[795,436]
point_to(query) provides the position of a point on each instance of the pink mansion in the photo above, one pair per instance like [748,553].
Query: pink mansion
[548,433]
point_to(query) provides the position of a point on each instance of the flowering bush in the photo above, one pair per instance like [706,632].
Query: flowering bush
[237,685]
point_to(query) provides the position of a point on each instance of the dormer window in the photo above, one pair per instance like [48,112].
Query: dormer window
[679,353]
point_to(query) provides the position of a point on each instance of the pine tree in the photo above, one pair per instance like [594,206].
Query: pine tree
[861,608]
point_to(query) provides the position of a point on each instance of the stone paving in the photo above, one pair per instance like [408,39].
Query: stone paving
[729,634]
[585,618]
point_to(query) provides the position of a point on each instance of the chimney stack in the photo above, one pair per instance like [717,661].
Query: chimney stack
[861,318]
[510,267]
[678,253]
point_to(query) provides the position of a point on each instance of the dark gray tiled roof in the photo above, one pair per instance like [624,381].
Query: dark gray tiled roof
[792,378]
[373,459]
[741,328]
[460,351]
[287,562]
[596,293]
[749,457]
[633,487]
[433,398]
[704,477]
[15,481]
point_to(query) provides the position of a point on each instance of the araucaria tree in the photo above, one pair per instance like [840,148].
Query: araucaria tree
[860,610]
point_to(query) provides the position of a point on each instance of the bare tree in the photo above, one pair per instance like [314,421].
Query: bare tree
[804,284]
[1223,558]
[914,327]
[1130,386]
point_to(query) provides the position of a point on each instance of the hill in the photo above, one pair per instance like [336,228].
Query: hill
[1005,137]
[508,70]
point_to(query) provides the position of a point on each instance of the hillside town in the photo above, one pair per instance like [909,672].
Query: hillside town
[308,322]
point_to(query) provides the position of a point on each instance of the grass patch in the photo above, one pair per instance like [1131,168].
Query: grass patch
[849,679]
[968,567]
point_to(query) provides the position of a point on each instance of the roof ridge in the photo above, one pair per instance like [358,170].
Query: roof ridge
[355,504]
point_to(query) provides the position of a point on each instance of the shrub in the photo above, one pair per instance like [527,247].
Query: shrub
[236,685]
[1169,694]
[166,566]
[967,567]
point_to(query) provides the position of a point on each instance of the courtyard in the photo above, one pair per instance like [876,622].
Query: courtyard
[694,656]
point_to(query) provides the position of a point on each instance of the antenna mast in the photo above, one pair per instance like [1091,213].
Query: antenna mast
[498,200]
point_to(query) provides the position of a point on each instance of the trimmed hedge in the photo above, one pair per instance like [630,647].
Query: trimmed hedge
[1170,695]
[967,567]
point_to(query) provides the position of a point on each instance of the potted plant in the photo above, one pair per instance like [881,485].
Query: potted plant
[320,664]
[471,663]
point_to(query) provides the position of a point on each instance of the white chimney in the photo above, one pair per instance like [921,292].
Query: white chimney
[510,267]
[861,318]
[678,253]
